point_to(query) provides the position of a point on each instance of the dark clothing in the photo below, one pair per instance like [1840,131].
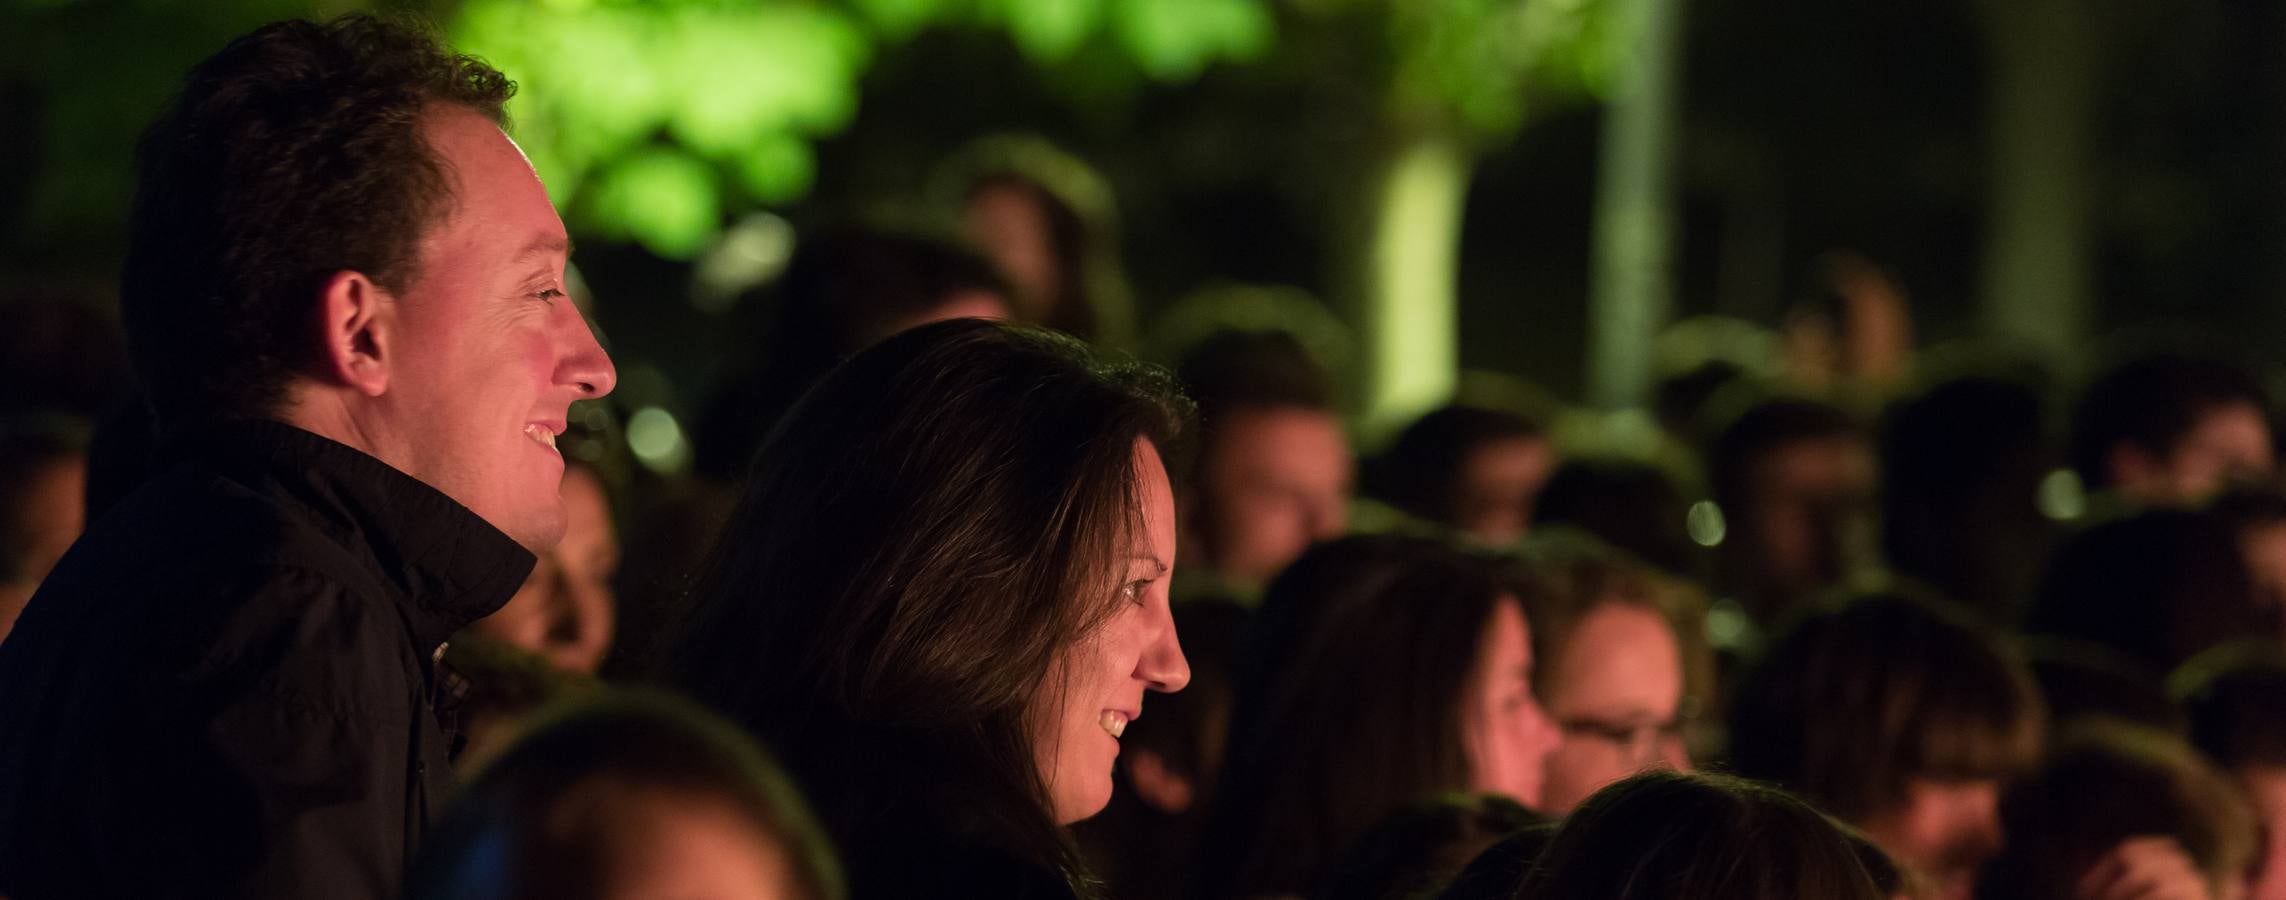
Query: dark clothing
[225,688]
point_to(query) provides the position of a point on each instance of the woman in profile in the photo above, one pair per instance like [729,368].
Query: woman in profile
[943,596]
[1389,670]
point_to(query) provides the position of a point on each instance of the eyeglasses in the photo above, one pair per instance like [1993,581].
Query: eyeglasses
[1640,744]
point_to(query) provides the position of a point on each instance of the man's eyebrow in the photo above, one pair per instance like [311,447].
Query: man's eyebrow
[550,244]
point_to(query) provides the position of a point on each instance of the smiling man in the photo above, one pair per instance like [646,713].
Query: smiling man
[344,292]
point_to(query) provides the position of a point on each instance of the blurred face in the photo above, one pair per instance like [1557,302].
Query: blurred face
[1810,508]
[959,305]
[2229,445]
[565,611]
[1007,223]
[488,352]
[1614,691]
[52,516]
[1079,720]
[1945,829]
[2264,547]
[1275,482]
[1499,481]
[1507,735]
[691,848]
[2266,787]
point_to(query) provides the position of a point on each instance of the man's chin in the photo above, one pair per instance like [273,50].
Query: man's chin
[538,532]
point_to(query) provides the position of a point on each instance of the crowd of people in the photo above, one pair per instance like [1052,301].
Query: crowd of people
[357,594]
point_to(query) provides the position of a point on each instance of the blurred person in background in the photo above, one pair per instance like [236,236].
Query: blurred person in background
[1272,471]
[2156,587]
[1634,506]
[2235,699]
[1901,716]
[2257,515]
[624,796]
[1851,339]
[845,289]
[1698,361]
[2171,430]
[567,612]
[1050,224]
[1962,463]
[1624,666]
[550,639]
[345,298]
[1144,842]
[1794,479]
[1474,469]
[1678,836]
[61,351]
[1408,678]
[43,480]
[2117,812]
[943,597]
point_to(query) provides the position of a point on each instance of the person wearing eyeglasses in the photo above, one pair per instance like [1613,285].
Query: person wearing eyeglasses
[1616,644]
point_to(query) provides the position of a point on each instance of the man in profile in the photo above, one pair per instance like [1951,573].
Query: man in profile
[1274,471]
[344,294]
[2172,430]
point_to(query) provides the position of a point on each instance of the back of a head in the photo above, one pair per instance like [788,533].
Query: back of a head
[622,795]
[2158,586]
[1961,469]
[1748,435]
[2235,699]
[1631,505]
[1244,370]
[2149,403]
[1674,836]
[1421,471]
[294,153]
[842,616]
[1381,630]
[1417,851]
[2103,784]
[843,290]
[1852,700]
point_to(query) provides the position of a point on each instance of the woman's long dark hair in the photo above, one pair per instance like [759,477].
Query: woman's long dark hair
[1369,645]
[915,545]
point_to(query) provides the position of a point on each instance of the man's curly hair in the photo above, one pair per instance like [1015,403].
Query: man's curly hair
[292,154]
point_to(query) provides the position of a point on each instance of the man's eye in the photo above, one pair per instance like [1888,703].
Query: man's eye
[549,295]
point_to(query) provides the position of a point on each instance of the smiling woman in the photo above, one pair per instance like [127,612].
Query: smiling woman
[942,598]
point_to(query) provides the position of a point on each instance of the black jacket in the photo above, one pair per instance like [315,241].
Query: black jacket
[226,687]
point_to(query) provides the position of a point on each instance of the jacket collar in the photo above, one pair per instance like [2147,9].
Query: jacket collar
[449,565]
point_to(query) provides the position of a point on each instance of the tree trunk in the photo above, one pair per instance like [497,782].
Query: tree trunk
[1631,295]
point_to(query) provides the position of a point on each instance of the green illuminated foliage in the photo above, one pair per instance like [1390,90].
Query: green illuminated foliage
[648,106]
[622,98]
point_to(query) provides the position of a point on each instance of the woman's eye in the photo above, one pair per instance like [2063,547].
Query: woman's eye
[1133,591]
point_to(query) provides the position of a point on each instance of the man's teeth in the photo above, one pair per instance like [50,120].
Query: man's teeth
[542,435]
[1113,722]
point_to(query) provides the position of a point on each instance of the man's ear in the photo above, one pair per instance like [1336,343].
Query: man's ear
[358,319]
